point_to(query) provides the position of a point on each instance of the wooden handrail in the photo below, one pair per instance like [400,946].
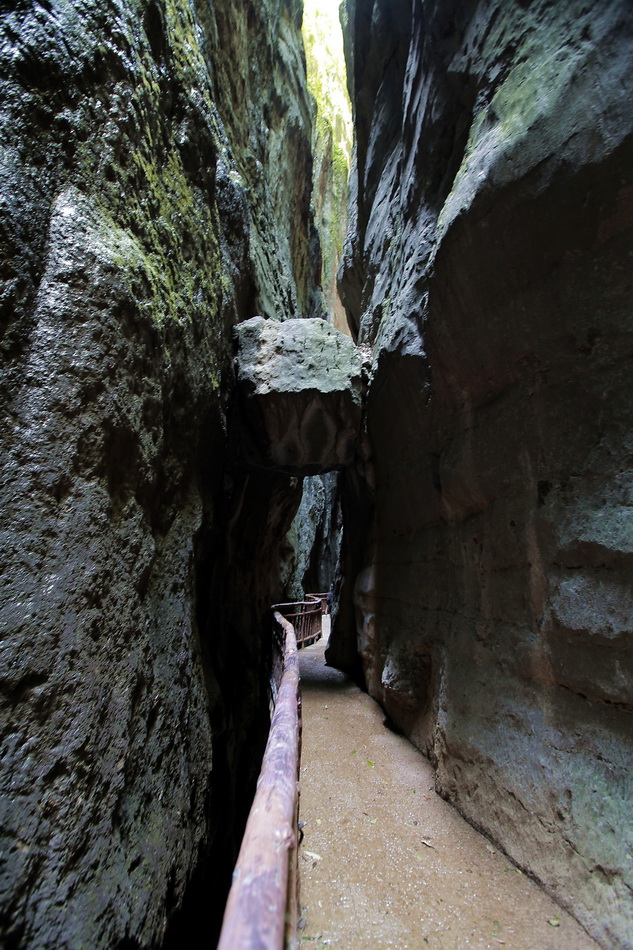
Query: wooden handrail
[261,911]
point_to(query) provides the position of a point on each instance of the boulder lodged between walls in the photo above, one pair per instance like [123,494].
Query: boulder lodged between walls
[299,385]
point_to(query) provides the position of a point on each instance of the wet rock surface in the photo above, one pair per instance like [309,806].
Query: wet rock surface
[490,272]
[299,384]
[133,212]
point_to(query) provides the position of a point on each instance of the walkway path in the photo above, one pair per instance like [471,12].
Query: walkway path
[385,862]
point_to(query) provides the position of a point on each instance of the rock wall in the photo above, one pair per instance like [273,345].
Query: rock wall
[331,144]
[313,543]
[146,204]
[256,55]
[489,269]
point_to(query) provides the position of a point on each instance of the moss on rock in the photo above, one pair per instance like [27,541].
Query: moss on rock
[136,228]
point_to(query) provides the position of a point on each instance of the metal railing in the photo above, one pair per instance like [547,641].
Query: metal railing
[262,908]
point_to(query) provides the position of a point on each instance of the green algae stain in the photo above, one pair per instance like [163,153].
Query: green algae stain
[159,223]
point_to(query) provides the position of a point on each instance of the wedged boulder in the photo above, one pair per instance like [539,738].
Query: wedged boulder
[299,385]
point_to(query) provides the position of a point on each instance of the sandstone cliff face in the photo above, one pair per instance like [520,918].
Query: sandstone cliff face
[489,269]
[140,218]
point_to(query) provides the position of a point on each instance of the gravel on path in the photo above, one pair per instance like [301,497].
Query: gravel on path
[387,863]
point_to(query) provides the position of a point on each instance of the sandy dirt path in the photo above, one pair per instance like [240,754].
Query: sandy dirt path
[385,862]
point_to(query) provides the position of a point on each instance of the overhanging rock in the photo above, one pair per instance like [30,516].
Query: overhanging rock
[299,386]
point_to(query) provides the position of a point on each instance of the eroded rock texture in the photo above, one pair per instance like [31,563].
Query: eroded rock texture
[312,545]
[490,269]
[137,226]
[258,60]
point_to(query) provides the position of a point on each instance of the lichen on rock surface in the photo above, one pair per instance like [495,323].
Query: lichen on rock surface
[134,234]
[488,268]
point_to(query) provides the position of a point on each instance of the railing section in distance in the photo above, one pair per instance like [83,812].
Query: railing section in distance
[325,601]
[306,618]
[262,909]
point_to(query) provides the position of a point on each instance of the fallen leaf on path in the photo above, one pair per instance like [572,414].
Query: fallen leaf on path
[318,821]
[353,752]
[373,821]
[554,921]
[313,855]
[370,763]
[491,849]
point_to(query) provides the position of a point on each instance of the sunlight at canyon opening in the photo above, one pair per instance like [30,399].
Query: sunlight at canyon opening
[332,142]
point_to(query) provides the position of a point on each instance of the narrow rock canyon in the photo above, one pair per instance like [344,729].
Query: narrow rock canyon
[188,437]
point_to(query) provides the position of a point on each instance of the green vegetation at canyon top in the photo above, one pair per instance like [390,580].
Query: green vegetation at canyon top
[327,79]
[332,138]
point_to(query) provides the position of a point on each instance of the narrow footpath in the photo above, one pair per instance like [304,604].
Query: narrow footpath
[385,862]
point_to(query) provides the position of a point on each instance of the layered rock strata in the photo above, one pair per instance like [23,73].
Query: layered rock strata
[489,269]
[146,206]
